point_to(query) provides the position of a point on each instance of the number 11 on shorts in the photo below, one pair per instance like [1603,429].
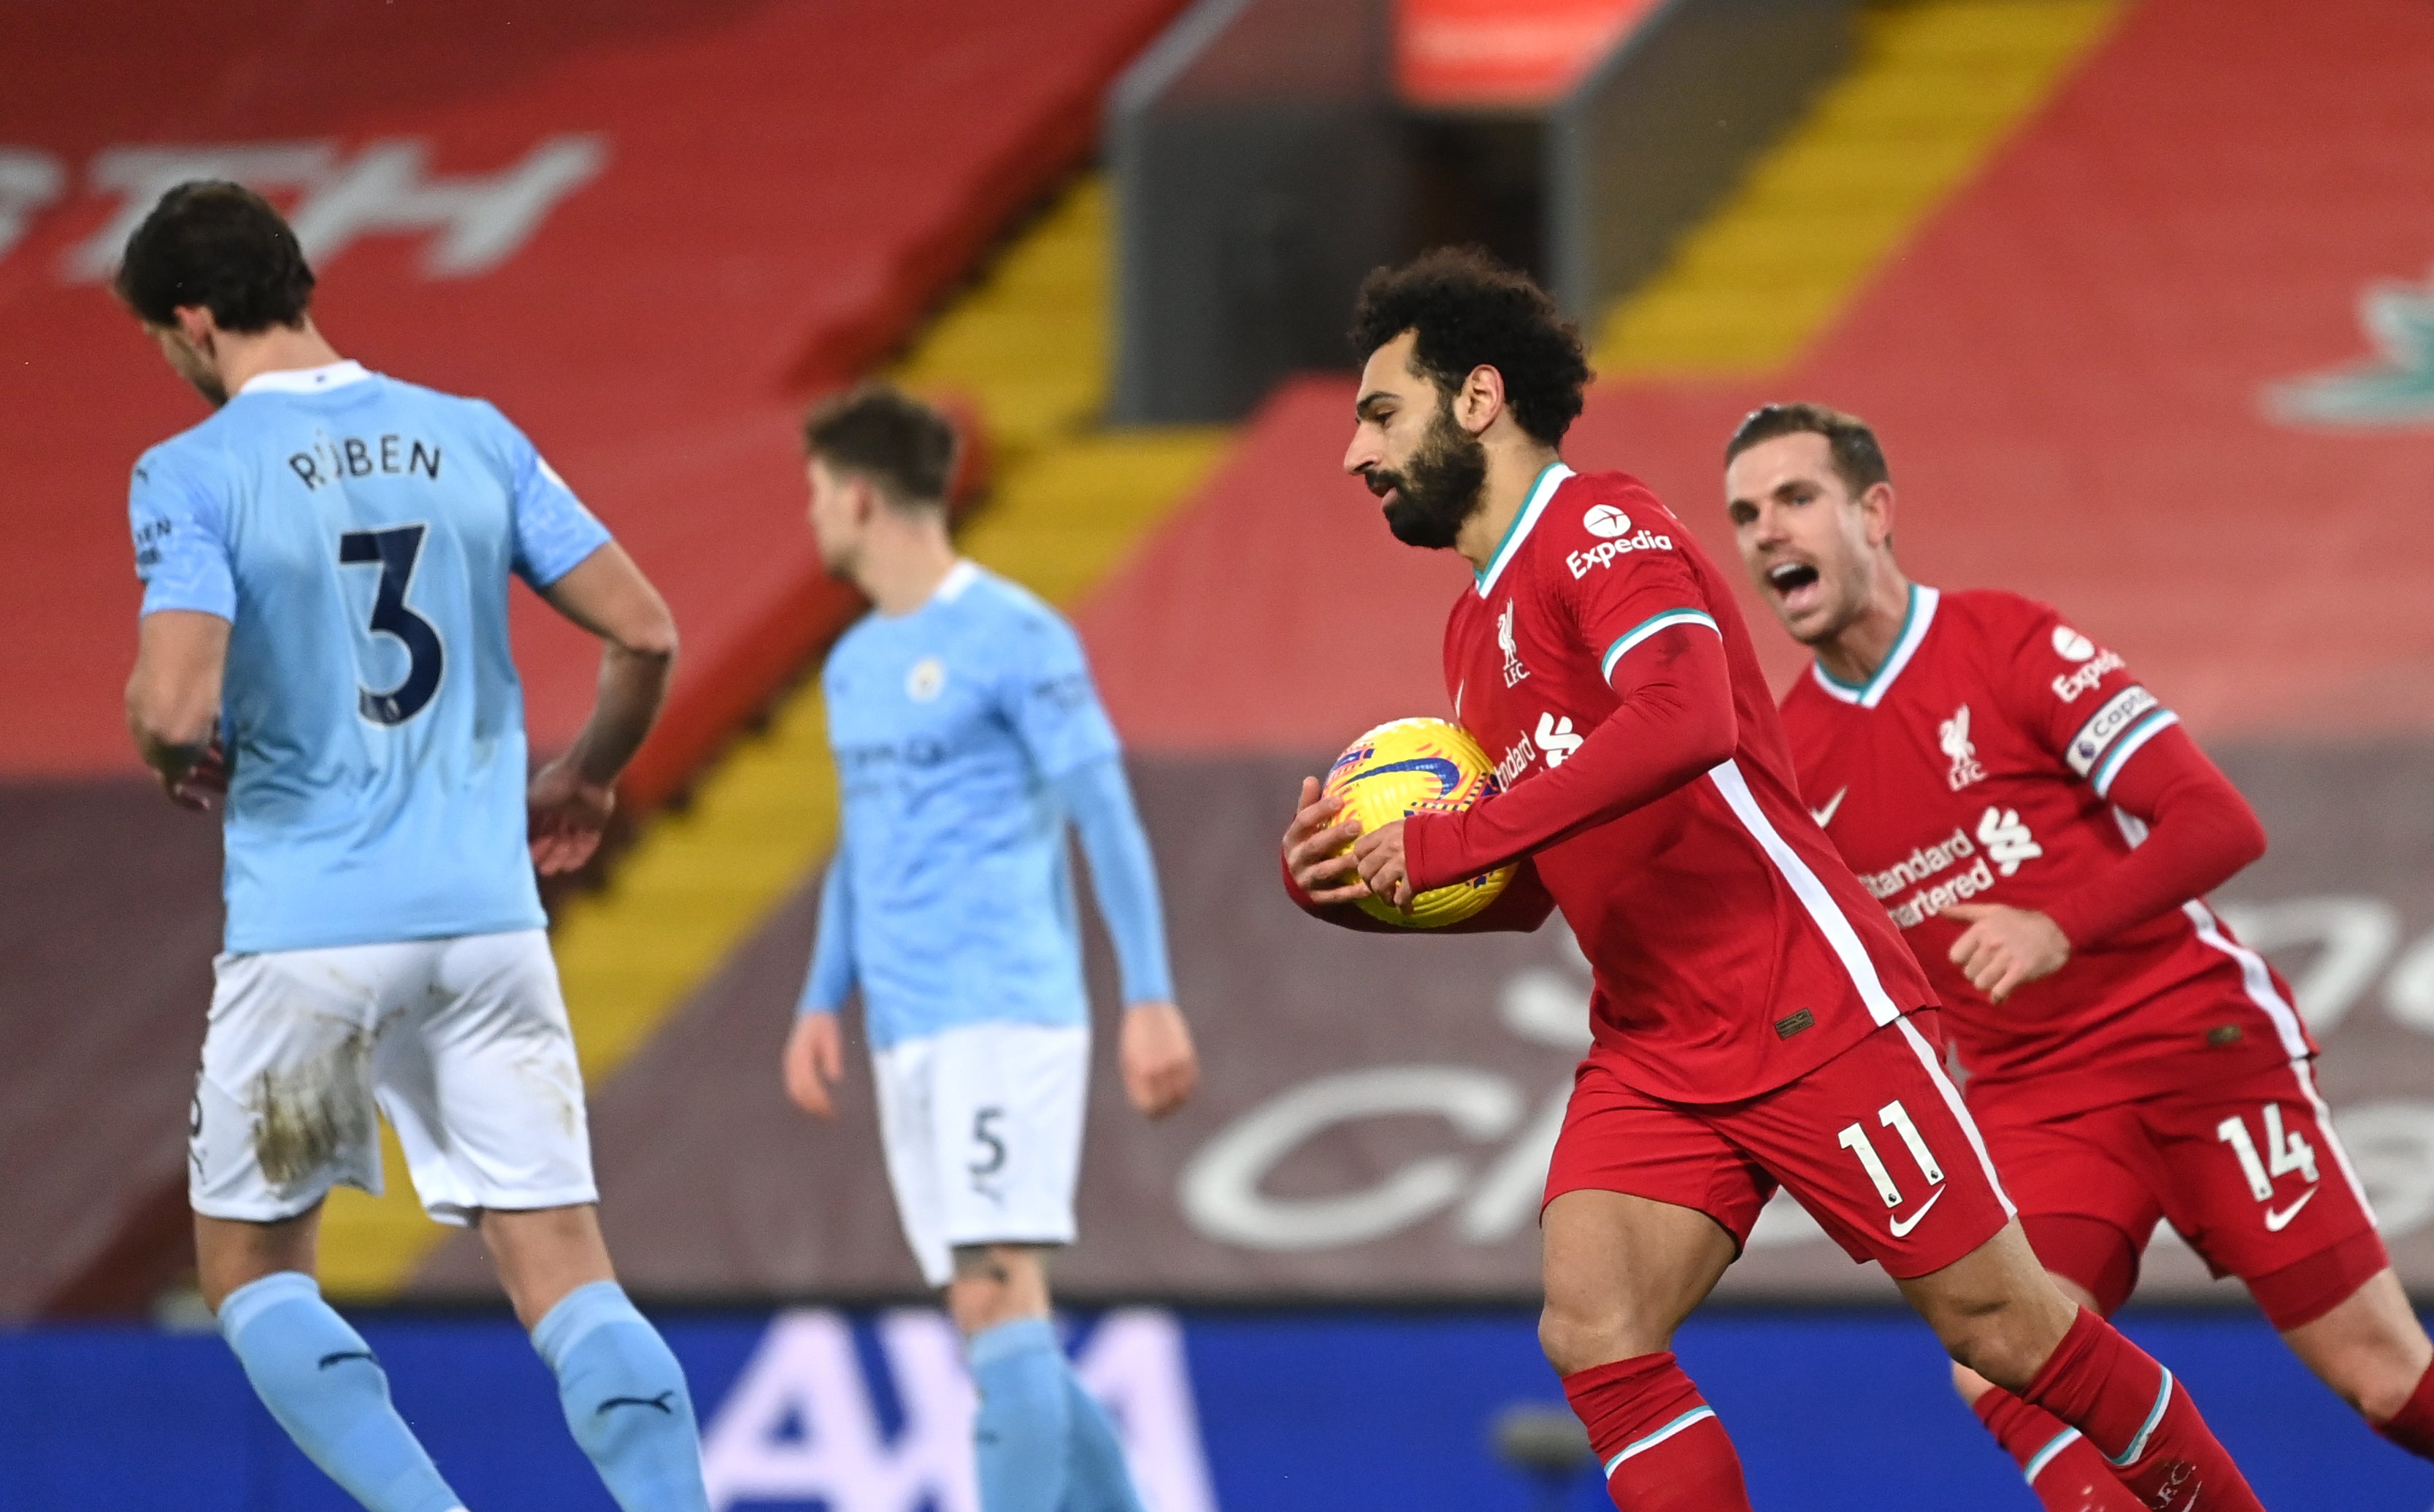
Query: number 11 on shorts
[1895,1117]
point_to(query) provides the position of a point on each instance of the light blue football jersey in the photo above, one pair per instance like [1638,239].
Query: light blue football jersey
[951,727]
[358,534]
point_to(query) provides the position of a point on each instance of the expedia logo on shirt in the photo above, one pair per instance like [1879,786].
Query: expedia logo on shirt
[1606,520]
[1605,553]
[2071,684]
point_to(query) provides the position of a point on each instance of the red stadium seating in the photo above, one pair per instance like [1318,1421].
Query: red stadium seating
[757,202]
[726,206]
[2075,368]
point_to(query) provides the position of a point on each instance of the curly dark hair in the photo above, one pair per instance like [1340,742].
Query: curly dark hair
[223,247]
[907,447]
[1852,445]
[1471,311]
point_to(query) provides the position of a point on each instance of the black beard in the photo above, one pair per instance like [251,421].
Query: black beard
[1442,487]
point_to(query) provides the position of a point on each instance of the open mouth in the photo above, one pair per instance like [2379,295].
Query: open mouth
[1794,582]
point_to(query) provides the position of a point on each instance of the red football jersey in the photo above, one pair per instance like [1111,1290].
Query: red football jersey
[1732,948]
[1974,767]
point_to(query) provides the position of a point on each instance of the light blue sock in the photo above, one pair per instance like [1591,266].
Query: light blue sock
[1101,1482]
[1022,1437]
[318,1377]
[625,1398]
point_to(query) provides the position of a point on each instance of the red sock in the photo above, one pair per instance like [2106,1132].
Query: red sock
[1658,1439]
[2413,1426]
[2063,1468]
[2140,1420]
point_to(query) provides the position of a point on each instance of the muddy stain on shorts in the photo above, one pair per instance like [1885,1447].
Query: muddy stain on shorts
[306,1116]
[548,1069]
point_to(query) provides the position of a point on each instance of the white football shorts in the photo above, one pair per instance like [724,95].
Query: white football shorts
[462,1043]
[983,1130]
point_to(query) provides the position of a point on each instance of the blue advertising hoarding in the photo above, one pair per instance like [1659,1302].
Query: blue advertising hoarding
[1245,1412]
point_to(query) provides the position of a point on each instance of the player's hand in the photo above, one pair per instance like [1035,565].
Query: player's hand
[1159,1066]
[1311,843]
[565,816]
[2005,949]
[1379,856]
[203,786]
[814,1063]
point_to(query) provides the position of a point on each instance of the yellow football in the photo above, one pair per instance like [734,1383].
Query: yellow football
[1415,767]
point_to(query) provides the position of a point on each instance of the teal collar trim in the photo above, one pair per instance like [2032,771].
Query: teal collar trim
[1917,614]
[1542,489]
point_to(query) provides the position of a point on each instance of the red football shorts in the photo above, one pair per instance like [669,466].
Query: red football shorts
[1875,1142]
[2248,1170]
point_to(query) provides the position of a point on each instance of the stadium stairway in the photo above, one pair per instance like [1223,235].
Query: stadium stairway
[1933,87]
[1023,350]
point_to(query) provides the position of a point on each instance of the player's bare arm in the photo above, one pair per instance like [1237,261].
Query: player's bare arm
[2005,948]
[1314,854]
[173,703]
[1160,1067]
[814,1063]
[1383,869]
[570,799]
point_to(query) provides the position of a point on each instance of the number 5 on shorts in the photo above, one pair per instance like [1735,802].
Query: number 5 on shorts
[1895,1117]
[987,1143]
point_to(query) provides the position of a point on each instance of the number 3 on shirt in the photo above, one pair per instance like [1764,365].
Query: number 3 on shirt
[394,551]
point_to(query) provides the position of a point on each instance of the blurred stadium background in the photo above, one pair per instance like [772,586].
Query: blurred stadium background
[2140,294]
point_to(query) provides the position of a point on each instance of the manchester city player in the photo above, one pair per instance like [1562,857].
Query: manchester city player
[967,736]
[324,648]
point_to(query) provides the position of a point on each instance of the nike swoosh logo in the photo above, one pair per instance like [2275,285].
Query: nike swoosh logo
[2276,1221]
[1903,1226]
[1826,815]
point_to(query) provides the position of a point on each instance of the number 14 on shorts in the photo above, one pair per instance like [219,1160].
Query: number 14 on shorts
[2285,1152]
